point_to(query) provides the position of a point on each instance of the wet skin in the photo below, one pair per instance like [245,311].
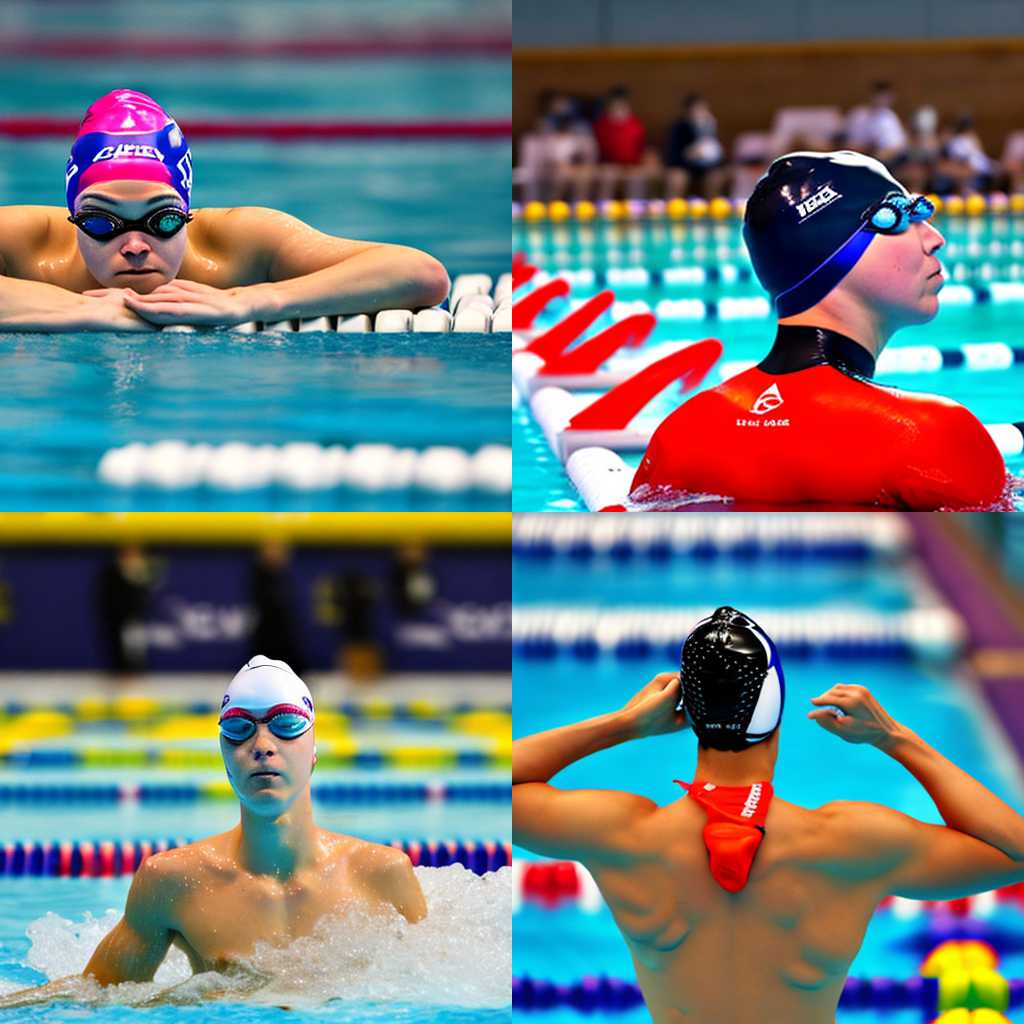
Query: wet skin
[226,266]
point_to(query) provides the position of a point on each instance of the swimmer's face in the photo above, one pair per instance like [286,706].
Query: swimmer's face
[135,259]
[900,276]
[268,773]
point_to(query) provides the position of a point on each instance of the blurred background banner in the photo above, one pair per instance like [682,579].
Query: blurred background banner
[203,593]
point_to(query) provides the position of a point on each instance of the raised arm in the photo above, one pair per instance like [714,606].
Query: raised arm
[982,844]
[586,824]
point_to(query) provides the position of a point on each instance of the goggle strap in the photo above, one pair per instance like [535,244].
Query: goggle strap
[820,281]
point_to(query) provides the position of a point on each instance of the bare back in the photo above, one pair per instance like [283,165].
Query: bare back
[785,942]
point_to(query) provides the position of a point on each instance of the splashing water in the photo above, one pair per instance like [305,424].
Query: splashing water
[459,956]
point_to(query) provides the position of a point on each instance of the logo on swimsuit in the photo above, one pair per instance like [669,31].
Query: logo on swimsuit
[126,150]
[766,401]
[817,202]
[753,799]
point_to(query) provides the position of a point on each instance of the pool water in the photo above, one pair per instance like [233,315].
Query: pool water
[934,699]
[994,396]
[68,399]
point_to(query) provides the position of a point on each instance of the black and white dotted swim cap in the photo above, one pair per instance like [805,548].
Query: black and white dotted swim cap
[732,681]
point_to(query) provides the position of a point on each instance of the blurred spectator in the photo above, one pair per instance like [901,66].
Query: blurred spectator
[355,611]
[125,589]
[1012,161]
[924,148]
[965,162]
[875,129]
[694,157]
[413,584]
[557,157]
[274,633]
[622,147]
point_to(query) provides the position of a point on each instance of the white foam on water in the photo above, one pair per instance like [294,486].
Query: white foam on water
[459,956]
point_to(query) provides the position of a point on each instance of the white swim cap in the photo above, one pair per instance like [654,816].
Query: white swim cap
[262,684]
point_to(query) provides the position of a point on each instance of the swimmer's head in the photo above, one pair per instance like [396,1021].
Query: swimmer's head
[266,736]
[127,136]
[732,682]
[816,220]
[128,162]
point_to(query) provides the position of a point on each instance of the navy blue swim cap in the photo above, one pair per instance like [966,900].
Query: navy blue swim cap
[804,225]
[732,681]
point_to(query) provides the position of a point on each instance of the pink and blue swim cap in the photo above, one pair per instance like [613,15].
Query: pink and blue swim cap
[127,135]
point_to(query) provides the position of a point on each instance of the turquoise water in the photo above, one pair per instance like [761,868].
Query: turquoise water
[566,944]
[67,399]
[381,822]
[993,396]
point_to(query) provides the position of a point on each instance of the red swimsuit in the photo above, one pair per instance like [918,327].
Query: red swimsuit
[808,425]
[735,828]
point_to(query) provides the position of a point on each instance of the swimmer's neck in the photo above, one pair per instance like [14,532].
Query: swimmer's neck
[727,768]
[852,320]
[280,846]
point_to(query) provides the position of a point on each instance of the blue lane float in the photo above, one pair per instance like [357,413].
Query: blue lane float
[112,858]
[192,792]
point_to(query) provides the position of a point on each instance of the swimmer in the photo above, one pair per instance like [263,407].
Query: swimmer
[269,879]
[848,257]
[737,905]
[135,255]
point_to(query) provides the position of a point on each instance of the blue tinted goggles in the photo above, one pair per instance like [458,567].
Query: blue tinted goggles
[285,721]
[896,212]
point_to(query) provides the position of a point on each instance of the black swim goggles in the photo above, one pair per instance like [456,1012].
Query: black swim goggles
[896,212]
[163,223]
[285,721]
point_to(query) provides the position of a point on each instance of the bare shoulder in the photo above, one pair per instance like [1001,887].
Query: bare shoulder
[24,230]
[184,864]
[232,224]
[367,856]
[860,832]
[38,218]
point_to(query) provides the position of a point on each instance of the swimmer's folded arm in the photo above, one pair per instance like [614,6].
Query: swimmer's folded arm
[589,825]
[981,846]
[297,272]
[38,306]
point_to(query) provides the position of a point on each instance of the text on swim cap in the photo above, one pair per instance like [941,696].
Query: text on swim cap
[185,170]
[128,149]
[825,195]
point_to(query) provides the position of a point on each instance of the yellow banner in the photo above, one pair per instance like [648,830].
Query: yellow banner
[450,528]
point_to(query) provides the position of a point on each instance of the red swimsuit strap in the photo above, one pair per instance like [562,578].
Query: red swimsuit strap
[734,829]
